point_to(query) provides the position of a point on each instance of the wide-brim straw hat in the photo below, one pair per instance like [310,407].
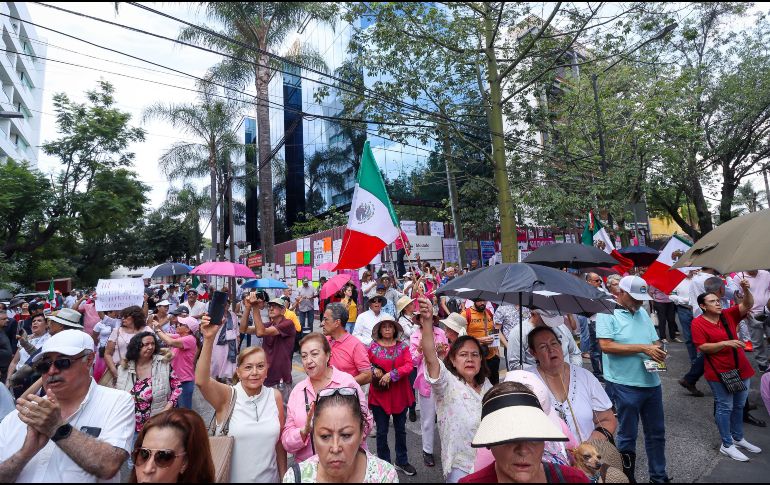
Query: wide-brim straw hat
[385,317]
[402,303]
[514,416]
[456,322]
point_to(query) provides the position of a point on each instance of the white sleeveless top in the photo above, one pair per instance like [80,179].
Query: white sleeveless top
[256,427]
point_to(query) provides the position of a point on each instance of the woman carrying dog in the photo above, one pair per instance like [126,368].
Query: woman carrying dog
[576,394]
[518,450]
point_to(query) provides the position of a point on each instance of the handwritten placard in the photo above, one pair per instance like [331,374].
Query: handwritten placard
[118,294]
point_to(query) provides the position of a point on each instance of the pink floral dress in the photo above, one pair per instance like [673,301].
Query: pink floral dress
[142,394]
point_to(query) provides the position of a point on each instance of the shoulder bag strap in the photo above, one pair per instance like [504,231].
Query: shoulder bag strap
[729,336]
[226,425]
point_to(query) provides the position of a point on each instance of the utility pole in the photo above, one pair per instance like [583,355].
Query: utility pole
[453,200]
[231,226]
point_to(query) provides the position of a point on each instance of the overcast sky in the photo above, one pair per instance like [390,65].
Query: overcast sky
[131,95]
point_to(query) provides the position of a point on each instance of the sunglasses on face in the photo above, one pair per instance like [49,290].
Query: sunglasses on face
[163,458]
[61,364]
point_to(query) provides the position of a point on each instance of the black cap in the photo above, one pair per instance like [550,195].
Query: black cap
[179,310]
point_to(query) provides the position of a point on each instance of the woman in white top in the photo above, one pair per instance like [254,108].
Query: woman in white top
[576,394]
[132,323]
[458,384]
[368,287]
[258,416]
[101,335]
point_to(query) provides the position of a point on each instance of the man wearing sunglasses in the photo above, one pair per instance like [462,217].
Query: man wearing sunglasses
[80,432]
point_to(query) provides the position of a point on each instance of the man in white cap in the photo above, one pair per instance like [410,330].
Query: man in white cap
[631,348]
[80,432]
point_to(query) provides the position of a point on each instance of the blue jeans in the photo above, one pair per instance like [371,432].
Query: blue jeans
[596,352]
[696,370]
[685,323]
[306,321]
[646,402]
[729,414]
[585,336]
[383,424]
[185,399]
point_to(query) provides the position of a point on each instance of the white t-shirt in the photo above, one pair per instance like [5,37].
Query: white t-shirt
[104,329]
[760,288]
[365,323]
[586,395]
[197,310]
[108,410]
[37,342]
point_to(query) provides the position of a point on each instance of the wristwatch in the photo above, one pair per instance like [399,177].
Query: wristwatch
[62,432]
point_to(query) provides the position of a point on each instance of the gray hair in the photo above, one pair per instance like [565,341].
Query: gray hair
[713,285]
[612,278]
[339,312]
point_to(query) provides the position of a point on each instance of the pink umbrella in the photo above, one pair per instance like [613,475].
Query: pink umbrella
[223,268]
[334,285]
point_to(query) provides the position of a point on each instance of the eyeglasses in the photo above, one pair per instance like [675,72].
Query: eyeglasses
[163,458]
[342,391]
[61,364]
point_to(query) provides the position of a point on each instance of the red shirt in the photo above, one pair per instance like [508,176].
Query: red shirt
[705,332]
[396,360]
[489,475]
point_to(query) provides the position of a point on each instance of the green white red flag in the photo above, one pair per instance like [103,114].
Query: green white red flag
[660,275]
[594,234]
[372,223]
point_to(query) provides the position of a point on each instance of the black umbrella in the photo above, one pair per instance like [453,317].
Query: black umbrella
[167,269]
[640,255]
[568,255]
[532,286]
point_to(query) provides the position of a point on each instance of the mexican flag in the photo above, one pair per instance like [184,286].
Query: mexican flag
[594,234]
[51,292]
[660,275]
[372,223]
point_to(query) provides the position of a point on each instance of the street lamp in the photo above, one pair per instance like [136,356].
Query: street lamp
[600,124]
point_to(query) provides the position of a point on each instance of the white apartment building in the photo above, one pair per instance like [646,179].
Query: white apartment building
[22,73]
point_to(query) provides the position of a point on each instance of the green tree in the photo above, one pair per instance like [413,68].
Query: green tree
[249,32]
[464,62]
[211,122]
[94,140]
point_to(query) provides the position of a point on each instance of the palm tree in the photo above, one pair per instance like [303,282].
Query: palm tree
[210,121]
[190,205]
[750,199]
[249,31]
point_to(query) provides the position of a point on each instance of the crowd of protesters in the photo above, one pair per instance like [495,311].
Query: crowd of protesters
[95,390]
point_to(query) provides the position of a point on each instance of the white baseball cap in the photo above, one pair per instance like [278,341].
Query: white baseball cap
[552,319]
[66,342]
[636,287]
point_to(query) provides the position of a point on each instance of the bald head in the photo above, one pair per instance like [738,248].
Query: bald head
[594,279]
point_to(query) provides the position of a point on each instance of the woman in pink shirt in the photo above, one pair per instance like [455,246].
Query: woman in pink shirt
[184,346]
[315,352]
[424,396]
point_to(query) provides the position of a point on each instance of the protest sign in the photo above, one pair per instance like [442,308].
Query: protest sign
[118,294]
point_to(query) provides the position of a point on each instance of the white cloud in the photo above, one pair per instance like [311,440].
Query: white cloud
[131,95]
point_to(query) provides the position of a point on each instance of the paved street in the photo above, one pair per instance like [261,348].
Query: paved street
[692,447]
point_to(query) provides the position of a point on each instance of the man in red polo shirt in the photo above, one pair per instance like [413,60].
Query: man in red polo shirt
[348,353]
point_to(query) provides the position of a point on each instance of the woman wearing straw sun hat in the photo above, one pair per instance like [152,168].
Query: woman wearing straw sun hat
[455,326]
[391,393]
[518,449]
